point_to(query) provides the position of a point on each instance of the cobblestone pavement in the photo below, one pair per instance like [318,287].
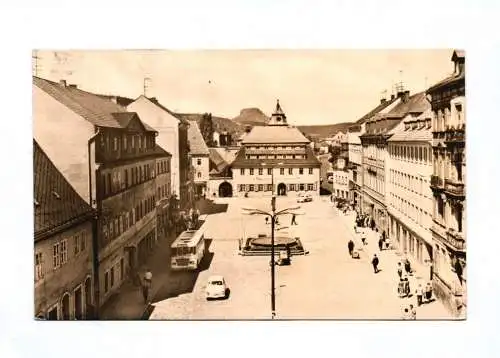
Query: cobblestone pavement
[325,284]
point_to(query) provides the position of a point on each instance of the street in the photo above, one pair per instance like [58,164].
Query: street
[325,284]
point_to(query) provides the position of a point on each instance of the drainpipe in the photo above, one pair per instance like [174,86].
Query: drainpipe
[95,242]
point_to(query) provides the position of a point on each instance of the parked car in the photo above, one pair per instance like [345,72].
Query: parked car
[216,287]
[304,198]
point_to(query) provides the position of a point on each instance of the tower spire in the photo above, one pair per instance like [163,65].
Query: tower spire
[278,118]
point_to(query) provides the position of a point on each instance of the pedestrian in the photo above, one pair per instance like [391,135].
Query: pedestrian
[380,243]
[293,220]
[413,313]
[384,236]
[363,238]
[375,263]
[267,220]
[407,286]
[428,292]
[420,293]
[407,266]
[350,246]
[400,271]
[401,288]
[147,283]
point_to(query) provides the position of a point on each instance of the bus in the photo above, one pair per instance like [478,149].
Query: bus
[188,250]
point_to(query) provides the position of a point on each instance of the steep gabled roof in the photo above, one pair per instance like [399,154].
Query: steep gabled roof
[161,152]
[377,109]
[57,205]
[416,103]
[93,108]
[275,134]
[217,160]
[197,144]
[124,118]
[180,117]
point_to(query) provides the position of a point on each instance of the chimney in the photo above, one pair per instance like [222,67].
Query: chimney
[72,86]
[62,83]
[383,100]
[406,96]
[392,97]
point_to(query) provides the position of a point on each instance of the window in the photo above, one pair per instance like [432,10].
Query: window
[39,271]
[290,171]
[260,187]
[242,171]
[292,187]
[251,171]
[122,269]
[310,170]
[251,187]
[124,142]
[282,171]
[261,171]
[301,171]
[63,252]
[112,275]
[76,244]
[106,282]
[199,175]
[115,143]
[269,171]
[198,161]
[310,186]
[269,187]
[242,187]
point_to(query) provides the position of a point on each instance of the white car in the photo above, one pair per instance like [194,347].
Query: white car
[304,198]
[216,287]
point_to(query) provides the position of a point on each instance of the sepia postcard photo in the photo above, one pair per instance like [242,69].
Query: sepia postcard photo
[249,184]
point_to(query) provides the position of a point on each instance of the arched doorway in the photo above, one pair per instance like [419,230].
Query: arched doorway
[225,190]
[88,298]
[281,189]
[65,307]
[78,306]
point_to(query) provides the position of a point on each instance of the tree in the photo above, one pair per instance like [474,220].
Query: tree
[207,128]
[334,153]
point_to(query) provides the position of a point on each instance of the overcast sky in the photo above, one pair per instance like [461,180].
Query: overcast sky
[314,87]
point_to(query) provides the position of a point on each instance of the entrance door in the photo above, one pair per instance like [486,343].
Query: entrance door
[78,303]
[282,189]
[225,190]
[65,307]
[52,315]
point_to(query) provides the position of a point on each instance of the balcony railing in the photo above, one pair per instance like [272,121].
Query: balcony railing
[454,135]
[436,181]
[454,188]
[455,239]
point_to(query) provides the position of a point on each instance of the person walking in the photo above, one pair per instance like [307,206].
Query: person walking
[400,271]
[375,263]
[413,313]
[350,246]
[420,293]
[407,266]
[293,220]
[380,243]
[401,288]
[146,285]
[407,286]
[428,292]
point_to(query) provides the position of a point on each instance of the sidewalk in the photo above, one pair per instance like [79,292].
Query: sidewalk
[128,303]
[388,263]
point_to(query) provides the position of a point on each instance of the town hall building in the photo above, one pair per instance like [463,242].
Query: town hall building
[275,159]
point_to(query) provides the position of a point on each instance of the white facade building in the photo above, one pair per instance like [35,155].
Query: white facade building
[409,197]
[199,158]
[276,158]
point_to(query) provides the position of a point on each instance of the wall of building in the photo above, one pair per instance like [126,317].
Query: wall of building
[341,184]
[201,168]
[260,176]
[168,133]
[50,118]
[56,281]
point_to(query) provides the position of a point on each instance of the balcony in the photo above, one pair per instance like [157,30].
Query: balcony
[453,135]
[454,188]
[437,182]
[455,240]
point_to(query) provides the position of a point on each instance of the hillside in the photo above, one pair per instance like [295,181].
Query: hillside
[251,117]
[220,124]
[324,131]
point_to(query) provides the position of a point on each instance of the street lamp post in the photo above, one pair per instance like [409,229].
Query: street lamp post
[273,215]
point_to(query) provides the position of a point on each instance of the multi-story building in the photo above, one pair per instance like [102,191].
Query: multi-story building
[109,157]
[199,153]
[275,158]
[448,186]
[409,198]
[355,149]
[63,224]
[341,177]
[173,137]
[374,142]
[163,192]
